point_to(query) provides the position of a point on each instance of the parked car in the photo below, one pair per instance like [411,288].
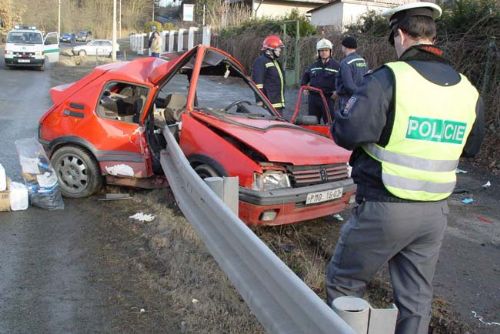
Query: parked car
[107,128]
[67,38]
[83,36]
[99,47]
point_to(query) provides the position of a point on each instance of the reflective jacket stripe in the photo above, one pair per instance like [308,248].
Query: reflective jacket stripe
[282,84]
[417,185]
[269,65]
[278,105]
[355,59]
[409,161]
[260,86]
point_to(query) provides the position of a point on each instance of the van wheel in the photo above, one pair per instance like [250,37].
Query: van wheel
[82,53]
[205,171]
[78,172]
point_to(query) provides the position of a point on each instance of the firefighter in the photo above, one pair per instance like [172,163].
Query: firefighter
[268,73]
[352,69]
[408,124]
[321,74]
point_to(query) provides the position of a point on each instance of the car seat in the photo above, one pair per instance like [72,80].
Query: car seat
[174,107]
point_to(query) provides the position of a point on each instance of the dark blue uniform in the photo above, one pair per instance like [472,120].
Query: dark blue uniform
[352,69]
[321,75]
[269,76]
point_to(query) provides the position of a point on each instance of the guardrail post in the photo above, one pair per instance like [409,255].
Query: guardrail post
[180,40]
[226,188]
[383,320]
[206,35]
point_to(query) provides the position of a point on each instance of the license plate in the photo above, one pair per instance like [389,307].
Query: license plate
[323,196]
[23,60]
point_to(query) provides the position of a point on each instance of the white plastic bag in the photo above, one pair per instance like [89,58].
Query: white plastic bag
[39,176]
[3,179]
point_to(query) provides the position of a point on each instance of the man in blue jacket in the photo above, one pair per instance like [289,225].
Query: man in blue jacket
[352,69]
[321,74]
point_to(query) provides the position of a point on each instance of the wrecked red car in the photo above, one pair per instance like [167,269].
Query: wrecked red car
[107,128]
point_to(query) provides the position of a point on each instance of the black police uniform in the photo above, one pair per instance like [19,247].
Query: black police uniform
[269,77]
[321,75]
[352,69]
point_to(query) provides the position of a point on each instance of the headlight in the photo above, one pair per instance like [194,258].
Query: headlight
[8,52]
[270,180]
[349,170]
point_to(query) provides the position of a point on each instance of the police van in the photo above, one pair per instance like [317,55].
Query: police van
[27,46]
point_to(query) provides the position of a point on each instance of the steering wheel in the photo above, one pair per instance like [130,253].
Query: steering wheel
[235,103]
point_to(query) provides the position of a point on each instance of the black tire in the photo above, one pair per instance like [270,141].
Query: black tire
[82,53]
[205,171]
[78,172]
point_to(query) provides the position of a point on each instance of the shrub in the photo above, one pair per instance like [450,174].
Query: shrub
[169,26]
[148,26]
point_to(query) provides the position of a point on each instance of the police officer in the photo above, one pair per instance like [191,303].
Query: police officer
[352,69]
[321,75]
[268,74]
[408,125]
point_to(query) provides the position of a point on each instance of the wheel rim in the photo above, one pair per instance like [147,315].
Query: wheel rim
[73,173]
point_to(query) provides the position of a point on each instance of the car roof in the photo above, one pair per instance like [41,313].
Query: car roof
[136,71]
[25,30]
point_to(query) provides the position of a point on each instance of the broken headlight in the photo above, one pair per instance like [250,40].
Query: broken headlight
[270,180]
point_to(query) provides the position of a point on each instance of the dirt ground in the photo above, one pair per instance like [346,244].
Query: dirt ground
[175,264]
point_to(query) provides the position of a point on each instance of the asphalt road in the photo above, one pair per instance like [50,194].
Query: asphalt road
[65,271]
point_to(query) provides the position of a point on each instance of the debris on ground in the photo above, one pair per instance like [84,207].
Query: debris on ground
[484,219]
[467,200]
[338,217]
[486,185]
[460,171]
[140,216]
[481,319]
[115,197]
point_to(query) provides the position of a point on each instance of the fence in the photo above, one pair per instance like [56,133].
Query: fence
[281,301]
[172,40]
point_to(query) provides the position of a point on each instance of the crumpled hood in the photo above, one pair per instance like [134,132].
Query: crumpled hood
[280,141]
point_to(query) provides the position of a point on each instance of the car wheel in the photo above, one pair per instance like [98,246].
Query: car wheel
[205,171]
[77,171]
[82,53]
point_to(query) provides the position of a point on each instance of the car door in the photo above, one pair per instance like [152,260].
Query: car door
[51,47]
[301,115]
[91,48]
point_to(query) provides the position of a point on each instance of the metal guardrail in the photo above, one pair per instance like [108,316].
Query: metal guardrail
[282,302]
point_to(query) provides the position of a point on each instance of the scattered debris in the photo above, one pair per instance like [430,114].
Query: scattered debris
[338,217]
[484,219]
[460,171]
[115,197]
[480,318]
[140,216]
[467,200]
[142,310]
[486,185]
[195,301]
[121,169]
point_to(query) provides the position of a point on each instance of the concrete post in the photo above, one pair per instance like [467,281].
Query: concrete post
[206,35]
[191,41]
[171,41]
[163,36]
[180,40]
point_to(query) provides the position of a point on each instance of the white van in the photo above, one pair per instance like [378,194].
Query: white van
[26,46]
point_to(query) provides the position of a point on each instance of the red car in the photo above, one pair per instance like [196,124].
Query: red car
[107,128]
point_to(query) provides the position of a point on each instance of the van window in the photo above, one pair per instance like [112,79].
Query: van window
[24,37]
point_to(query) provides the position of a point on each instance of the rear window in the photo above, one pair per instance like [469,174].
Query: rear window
[24,37]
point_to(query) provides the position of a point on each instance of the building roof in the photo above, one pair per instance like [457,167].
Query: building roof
[382,3]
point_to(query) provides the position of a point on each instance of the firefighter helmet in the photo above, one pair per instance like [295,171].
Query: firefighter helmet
[272,42]
[324,44]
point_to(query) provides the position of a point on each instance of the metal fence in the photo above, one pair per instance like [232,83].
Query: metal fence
[281,301]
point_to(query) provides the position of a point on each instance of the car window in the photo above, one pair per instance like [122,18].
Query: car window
[171,100]
[24,37]
[240,98]
[122,101]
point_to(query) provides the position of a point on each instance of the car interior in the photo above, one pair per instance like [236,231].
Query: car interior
[122,102]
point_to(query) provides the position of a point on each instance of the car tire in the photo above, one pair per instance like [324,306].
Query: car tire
[82,53]
[205,171]
[77,171]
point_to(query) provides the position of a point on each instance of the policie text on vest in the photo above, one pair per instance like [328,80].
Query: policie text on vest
[437,130]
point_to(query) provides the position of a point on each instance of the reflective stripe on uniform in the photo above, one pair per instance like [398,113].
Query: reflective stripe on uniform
[260,86]
[278,105]
[269,65]
[331,70]
[282,84]
[410,161]
[401,182]
[355,59]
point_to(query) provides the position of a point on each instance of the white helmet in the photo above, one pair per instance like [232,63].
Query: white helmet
[324,44]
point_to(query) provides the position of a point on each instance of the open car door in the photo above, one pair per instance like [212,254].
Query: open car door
[302,117]
[51,47]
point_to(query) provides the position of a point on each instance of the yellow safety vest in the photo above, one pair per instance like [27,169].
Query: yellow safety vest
[431,126]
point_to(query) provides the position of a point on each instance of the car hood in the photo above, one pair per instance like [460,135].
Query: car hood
[279,141]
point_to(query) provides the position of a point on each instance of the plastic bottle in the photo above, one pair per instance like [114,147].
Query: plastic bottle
[3,179]
[18,196]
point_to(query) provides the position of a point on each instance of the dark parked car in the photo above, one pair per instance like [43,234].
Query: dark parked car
[67,38]
[84,36]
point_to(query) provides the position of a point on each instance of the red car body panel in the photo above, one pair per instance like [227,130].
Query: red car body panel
[231,146]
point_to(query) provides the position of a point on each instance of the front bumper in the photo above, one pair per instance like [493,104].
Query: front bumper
[290,203]
[24,61]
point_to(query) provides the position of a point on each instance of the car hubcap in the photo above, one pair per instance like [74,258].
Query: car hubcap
[73,173]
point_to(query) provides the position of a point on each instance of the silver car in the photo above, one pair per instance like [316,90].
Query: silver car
[96,47]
